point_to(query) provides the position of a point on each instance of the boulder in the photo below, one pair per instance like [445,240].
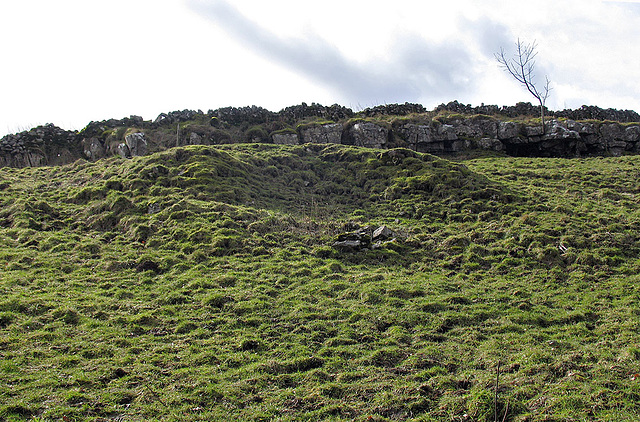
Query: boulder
[357,240]
[581,127]
[370,135]
[421,138]
[487,126]
[123,150]
[416,135]
[195,139]
[490,144]
[557,131]
[467,129]
[285,138]
[324,134]
[136,143]
[531,131]
[632,134]
[93,148]
[382,233]
[508,130]
[612,131]
[445,132]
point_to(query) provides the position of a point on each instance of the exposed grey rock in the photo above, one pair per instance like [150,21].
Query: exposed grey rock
[325,134]
[93,148]
[490,144]
[632,134]
[382,233]
[285,138]
[154,208]
[536,130]
[488,126]
[195,139]
[370,135]
[466,128]
[123,150]
[445,132]
[461,145]
[50,145]
[508,130]
[136,143]
[416,134]
[360,239]
[348,244]
[612,131]
[556,131]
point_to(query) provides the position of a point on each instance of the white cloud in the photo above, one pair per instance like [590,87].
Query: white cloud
[72,61]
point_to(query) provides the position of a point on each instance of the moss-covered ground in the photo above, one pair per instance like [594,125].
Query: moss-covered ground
[200,283]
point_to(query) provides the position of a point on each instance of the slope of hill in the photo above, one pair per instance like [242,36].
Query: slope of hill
[204,283]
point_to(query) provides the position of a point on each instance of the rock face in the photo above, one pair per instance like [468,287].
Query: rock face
[93,148]
[42,145]
[285,138]
[123,150]
[137,144]
[443,134]
[370,135]
[324,134]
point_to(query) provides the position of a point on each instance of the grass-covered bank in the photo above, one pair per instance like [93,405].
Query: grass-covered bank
[200,284]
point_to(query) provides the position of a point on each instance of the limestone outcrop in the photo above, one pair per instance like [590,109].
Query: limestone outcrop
[322,134]
[409,126]
[42,145]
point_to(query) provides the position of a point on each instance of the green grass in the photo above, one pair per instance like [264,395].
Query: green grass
[200,283]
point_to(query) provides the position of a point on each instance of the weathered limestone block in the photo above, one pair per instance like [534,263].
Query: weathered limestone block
[611,131]
[487,126]
[123,150]
[416,134]
[285,138]
[136,143]
[325,134]
[508,130]
[22,159]
[530,131]
[581,127]
[445,132]
[460,145]
[370,135]
[490,144]
[195,139]
[467,128]
[556,131]
[632,134]
[93,148]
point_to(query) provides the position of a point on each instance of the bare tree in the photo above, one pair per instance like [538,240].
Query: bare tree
[521,67]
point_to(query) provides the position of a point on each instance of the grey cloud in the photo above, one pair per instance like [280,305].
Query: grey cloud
[415,69]
[489,34]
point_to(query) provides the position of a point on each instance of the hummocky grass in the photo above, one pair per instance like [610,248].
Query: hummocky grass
[200,283]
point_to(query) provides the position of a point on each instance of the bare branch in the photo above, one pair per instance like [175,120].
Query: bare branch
[521,67]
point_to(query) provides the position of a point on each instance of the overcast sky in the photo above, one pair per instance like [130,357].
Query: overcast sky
[69,62]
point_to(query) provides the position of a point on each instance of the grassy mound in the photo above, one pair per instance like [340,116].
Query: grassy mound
[200,283]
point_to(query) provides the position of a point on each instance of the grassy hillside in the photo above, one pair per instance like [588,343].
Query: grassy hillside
[200,283]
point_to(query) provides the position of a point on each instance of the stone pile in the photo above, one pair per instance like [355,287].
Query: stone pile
[364,238]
